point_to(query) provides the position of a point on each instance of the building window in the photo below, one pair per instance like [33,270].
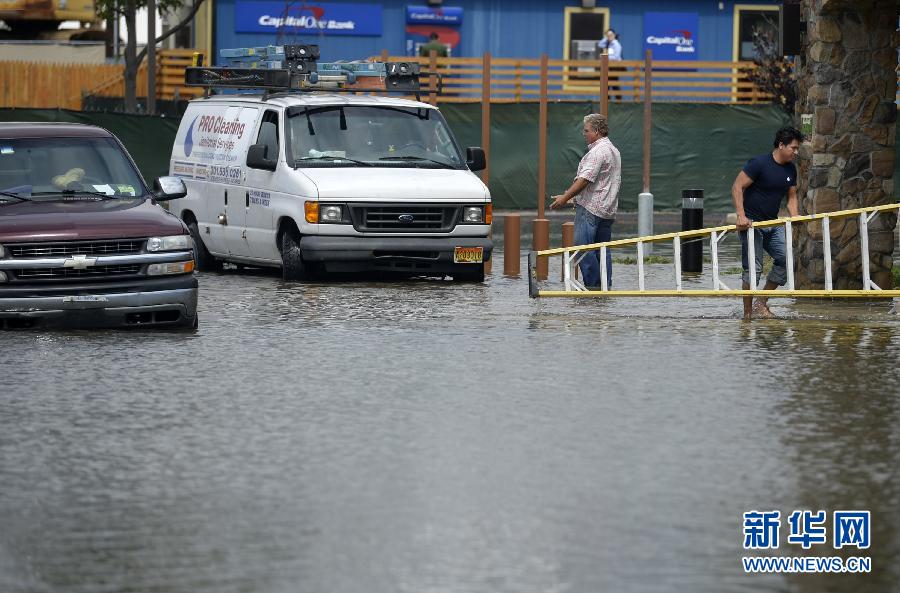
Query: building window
[750,18]
[584,27]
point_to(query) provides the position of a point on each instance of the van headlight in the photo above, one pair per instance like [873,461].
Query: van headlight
[330,213]
[473,215]
[170,243]
[2,252]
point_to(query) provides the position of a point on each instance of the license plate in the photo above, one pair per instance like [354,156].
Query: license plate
[84,298]
[468,255]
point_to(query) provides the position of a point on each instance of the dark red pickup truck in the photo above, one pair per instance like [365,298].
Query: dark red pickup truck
[83,242]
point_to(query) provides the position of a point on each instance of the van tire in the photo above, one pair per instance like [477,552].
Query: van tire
[471,273]
[204,259]
[292,266]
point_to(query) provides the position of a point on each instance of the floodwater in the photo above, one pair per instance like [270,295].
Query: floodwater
[423,436]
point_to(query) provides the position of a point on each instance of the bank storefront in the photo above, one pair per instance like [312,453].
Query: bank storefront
[687,30]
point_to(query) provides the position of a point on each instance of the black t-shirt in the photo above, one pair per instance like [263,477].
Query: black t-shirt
[771,182]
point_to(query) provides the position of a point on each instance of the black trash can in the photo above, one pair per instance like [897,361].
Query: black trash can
[691,220]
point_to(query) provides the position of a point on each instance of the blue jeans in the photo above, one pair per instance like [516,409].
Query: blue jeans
[593,229]
[771,240]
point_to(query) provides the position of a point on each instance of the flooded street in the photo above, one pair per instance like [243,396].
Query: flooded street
[425,436]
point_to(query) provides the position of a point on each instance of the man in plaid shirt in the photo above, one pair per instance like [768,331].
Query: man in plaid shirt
[596,193]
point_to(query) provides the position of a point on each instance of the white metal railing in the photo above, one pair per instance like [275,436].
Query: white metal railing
[571,256]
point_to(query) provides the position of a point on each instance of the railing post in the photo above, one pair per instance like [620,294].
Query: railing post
[751,255]
[645,199]
[518,81]
[486,114]
[151,57]
[541,226]
[542,140]
[789,254]
[604,85]
[714,253]
[511,241]
[864,249]
[432,79]
[568,239]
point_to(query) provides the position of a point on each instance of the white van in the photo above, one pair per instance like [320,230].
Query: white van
[331,182]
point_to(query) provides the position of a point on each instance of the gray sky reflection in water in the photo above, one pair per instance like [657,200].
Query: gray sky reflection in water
[429,437]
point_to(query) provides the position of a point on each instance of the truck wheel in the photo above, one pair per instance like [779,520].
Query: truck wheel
[292,266]
[469,273]
[204,259]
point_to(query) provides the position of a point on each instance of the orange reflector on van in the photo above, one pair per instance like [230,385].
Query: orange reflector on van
[312,212]
[488,213]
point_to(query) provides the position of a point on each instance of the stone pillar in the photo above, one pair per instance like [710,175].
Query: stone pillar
[847,82]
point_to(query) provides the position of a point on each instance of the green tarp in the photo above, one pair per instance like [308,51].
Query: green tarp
[693,145]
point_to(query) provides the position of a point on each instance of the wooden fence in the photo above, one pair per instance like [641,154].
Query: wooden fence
[47,85]
[514,80]
[510,80]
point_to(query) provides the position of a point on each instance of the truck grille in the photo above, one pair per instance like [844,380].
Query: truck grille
[69,248]
[401,219]
[65,273]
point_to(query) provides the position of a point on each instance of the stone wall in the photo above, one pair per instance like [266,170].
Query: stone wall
[847,80]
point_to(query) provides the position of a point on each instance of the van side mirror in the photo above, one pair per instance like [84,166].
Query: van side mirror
[475,159]
[256,158]
[168,188]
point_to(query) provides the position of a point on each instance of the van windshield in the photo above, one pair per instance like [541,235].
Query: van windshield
[51,165]
[350,135]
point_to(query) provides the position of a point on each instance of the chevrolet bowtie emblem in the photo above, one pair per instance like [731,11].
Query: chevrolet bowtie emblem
[80,262]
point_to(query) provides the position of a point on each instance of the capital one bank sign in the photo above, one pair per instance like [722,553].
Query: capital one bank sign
[671,35]
[301,17]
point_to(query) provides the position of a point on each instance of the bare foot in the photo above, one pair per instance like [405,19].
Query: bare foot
[762,311]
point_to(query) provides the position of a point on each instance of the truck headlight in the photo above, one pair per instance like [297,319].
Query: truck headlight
[473,215]
[170,243]
[330,213]
[2,276]
[178,267]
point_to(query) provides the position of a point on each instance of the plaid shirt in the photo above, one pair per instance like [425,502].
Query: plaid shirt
[602,166]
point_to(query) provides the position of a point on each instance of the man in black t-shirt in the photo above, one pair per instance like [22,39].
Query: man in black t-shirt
[757,193]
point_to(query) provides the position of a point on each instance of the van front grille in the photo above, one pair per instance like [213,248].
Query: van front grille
[401,219]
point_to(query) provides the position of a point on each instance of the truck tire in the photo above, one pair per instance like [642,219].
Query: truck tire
[204,259]
[292,266]
[469,273]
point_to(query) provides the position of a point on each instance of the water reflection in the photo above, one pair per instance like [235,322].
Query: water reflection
[429,436]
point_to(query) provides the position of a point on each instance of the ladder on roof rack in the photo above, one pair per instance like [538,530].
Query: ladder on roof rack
[282,68]
[573,255]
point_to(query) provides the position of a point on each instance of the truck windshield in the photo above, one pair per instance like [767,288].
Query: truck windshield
[51,165]
[377,136]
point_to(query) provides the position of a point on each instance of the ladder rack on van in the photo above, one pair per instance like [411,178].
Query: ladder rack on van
[573,255]
[285,68]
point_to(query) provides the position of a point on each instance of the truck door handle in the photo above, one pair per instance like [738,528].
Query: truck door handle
[248,200]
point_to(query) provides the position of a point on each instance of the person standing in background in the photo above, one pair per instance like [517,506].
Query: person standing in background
[610,46]
[433,44]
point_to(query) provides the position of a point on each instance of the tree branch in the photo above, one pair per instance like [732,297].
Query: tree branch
[184,23]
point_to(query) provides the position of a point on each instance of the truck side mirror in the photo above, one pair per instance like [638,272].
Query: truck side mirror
[256,158]
[475,159]
[168,188]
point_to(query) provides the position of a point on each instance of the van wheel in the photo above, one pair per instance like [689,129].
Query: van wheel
[469,273]
[292,266]
[205,261]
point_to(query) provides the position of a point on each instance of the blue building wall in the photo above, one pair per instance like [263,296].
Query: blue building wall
[506,28]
